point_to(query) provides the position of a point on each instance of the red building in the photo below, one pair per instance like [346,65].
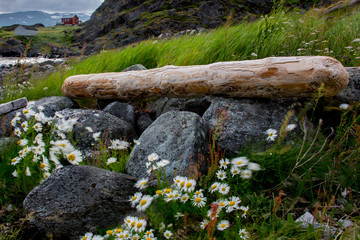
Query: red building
[73,20]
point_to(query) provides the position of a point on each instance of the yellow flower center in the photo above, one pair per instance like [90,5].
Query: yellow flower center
[109,232]
[84,238]
[182,184]
[42,165]
[167,190]
[213,187]
[223,225]
[239,162]
[198,192]
[132,224]
[184,198]
[14,160]
[71,157]
[222,204]
[198,200]
[232,203]
[62,145]
[143,202]
[158,192]
[139,225]
[133,198]
[170,196]
[19,142]
[188,185]
[118,230]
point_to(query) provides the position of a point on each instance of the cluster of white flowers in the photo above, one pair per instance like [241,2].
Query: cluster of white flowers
[42,142]
[183,191]
[272,133]
[155,163]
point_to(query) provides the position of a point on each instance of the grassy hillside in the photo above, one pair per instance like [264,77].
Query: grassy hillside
[279,34]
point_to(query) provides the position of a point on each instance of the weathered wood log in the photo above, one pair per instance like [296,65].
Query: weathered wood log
[13,105]
[266,78]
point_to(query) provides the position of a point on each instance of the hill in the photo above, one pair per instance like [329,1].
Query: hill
[34,17]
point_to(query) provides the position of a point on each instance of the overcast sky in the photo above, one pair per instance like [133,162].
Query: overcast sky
[50,6]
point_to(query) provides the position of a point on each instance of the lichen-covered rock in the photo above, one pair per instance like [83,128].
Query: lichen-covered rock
[179,137]
[78,199]
[109,125]
[352,91]
[246,120]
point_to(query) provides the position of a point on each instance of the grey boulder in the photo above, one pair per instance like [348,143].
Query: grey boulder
[109,125]
[121,110]
[180,138]
[79,199]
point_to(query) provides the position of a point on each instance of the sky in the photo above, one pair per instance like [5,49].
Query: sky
[50,6]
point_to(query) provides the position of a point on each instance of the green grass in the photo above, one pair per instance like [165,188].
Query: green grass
[279,34]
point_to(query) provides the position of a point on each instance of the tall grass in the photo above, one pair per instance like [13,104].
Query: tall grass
[278,34]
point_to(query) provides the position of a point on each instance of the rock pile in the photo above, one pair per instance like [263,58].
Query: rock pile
[77,199]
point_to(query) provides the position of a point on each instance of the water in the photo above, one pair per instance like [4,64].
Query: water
[14,60]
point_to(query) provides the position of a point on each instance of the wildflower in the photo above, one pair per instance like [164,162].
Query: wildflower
[290,127]
[272,134]
[199,192]
[130,221]
[119,145]
[137,142]
[178,215]
[189,185]
[184,198]
[39,139]
[89,129]
[246,174]
[96,136]
[245,209]
[243,234]
[74,157]
[204,223]
[15,161]
[234,171]
[46,175]
[111,160]
[27,172]
[222,203]
[135,237]
[253,166]
[140,225]
[169,197]
[233,204]
[23,142]
[199,201]
[222,225]
[88,236]
[66,125]
[224,163]
[254,54]
[28,112]
[149,233]
[14,121]
[153,157]
[24,126]
[162,163]
[167,234]
[214,212]
[141,184]
[239,162]
[144,203]
[26,150]
[221,174]
[38,127]
[17,132]
[97,237]
[214,187]
[135,199]
[159,192]
[224,188]
[344,106]
[14,173]
[44,165]
[179,182]
[64,146]
[39,150]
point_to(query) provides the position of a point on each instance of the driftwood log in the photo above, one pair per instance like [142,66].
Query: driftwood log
[265,78]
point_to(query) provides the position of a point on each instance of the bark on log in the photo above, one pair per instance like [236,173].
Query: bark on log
[266,78]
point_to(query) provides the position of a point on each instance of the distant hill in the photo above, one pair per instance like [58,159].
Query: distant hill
[33,17]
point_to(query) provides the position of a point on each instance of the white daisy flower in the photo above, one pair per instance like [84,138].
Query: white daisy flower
[96,136]
[233,204]
[234,171]
[65,146]
[17,132]
[184,198]
[243,234]
[14,173]
[28,112]
[212,214]
[27,172]
[119,144]
[204,224]
[130,222]
[246,174]
[178,215]
[135,237]
[245,209]
[44,165]
[74,157]
[89,129]
[87,236]
[24,126]
[253,166]
[344,106]
[167,234]
[111,160]
[199,192]
[141,184]
[199,201]
[222,225]
[189,185]
[15,161]
[224,163]
[38,127]
[221,174]
[14,121]
[140,225]
[162,163]
[272,134]
[222,203]
[153,157]
[214,187]
[290,127]
[144,203]
[223,188]
[23,142]
[179,182]
[169,197]
[239,162]
[135,199]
